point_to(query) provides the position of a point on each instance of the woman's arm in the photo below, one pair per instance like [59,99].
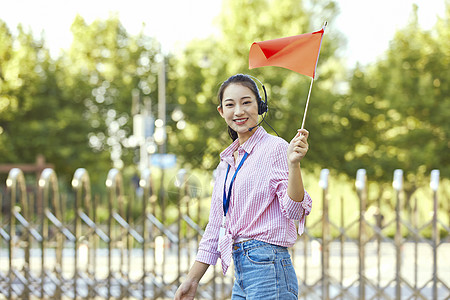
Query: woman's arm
[297,149]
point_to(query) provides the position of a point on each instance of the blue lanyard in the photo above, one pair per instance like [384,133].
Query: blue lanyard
[226,200]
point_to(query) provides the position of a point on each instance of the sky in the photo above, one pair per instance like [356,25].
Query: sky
[367,25]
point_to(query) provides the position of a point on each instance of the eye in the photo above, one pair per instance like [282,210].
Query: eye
[247,102]
[229,105]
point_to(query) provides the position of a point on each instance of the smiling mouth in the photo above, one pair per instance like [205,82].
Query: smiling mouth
[240,121]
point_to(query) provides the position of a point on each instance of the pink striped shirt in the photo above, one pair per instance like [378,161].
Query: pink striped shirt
[260,208]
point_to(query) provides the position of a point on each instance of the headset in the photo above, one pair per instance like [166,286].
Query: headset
[262,107]
[262,104]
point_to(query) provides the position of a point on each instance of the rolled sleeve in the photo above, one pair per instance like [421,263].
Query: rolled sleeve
[207,250]
[207,257]
[306,208]
[297,210]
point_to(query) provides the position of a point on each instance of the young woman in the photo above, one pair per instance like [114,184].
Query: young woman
[257,195]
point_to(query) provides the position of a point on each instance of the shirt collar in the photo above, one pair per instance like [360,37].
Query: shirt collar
[247,146]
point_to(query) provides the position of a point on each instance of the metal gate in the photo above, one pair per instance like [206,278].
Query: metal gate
[49,251]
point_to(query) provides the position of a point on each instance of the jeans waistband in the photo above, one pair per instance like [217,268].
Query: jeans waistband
[246,245]
[249,244]
[241,239]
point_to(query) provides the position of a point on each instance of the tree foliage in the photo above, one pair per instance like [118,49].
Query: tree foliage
[399,107]
[100,71]
[35,118]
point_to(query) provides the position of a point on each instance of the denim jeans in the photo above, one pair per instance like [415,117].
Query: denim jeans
[263,271]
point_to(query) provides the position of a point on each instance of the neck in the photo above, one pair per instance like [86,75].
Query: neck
[243,137]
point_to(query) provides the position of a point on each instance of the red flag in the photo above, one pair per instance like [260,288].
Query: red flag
[298,53]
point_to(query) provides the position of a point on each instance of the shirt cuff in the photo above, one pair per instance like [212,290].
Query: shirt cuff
[207,257]
[296,210]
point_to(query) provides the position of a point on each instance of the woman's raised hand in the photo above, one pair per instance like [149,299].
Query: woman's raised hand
[298,147]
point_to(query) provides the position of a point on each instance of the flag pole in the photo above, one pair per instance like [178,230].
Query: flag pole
[312,81]
[307,102]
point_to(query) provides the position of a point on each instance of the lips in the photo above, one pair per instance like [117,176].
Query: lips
[240,121]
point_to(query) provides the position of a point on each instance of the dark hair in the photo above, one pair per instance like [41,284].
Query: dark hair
[244,80]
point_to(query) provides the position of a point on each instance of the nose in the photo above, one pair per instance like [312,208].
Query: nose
[238,110]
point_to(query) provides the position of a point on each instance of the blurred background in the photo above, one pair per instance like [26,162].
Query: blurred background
[132,85]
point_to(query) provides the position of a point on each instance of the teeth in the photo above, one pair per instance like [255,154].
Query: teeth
[240,120]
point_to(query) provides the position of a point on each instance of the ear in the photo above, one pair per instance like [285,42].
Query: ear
[220,110]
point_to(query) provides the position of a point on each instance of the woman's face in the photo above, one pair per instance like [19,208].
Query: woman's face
[239,109]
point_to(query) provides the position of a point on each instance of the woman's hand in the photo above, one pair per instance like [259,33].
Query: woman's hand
[298,147]
[187,290]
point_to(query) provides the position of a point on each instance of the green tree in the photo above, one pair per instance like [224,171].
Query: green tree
[35,118]
[399,107]
[98,73]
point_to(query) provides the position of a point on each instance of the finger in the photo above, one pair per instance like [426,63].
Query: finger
[303,132]
[300,149]
[300,138]
[300,142]
[303,140]
[297,135]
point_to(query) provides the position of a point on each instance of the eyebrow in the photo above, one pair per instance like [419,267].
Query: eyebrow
[242,98]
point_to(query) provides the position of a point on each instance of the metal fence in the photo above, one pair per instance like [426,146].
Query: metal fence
[51,251]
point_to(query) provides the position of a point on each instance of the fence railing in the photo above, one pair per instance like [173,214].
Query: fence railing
[51,251]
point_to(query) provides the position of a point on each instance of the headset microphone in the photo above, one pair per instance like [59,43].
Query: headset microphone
[251,128]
